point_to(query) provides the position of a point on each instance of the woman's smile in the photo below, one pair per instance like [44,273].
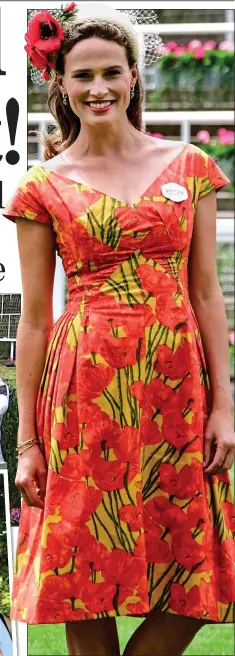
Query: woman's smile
[100,106]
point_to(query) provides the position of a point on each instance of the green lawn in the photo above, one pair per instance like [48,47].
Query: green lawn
[213,640]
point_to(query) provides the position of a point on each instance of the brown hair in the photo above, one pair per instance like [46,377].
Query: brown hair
[68,123]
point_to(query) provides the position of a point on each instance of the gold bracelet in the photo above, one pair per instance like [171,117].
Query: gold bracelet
[26,442]
[27,447]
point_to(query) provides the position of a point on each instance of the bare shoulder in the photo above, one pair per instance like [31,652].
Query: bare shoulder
[164,145]
[55,164]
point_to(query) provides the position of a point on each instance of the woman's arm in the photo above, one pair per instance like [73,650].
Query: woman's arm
[37,261]
[208,304]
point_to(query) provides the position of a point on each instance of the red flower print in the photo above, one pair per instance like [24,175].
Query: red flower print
[184,484]
[149,431]
[182,602]
[176,365]
[187,551]
[126,444]
[155,281]
[161,511]
[138,608]
[197,511]
[188,603]
[109,475]
[77,465]
[132,515]
[225,559]
[196,165]
[178,432]
[57,613]
[90,551]
[229,514]
[92,380]
[120,567]
[67,440]
[102,430]
[169,313]
[97,597]
[60,587]
[55,554]
[74,498]
[157,550]
[156,393]
[118,352]
[130,221]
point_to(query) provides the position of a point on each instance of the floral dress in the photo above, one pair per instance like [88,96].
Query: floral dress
[131,522]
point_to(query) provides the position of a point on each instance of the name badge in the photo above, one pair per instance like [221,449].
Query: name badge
[174,191]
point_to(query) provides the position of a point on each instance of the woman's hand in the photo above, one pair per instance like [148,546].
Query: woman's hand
[31,476]
[219,430]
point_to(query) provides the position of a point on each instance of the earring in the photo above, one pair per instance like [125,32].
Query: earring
[132,94]
[65,99]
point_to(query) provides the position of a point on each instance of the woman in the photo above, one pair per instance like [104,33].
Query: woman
[120,515]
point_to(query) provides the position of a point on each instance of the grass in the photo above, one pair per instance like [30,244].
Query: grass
[213,640]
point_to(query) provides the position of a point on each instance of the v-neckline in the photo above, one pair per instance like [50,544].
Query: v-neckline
[97,191]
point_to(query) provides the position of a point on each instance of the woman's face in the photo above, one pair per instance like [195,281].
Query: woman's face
[97,79]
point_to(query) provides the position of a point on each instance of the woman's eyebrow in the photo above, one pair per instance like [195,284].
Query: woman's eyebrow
[89,70]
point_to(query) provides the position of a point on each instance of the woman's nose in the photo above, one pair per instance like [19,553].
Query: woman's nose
[98,87]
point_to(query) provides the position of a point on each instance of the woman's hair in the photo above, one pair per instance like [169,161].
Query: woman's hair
[68,123]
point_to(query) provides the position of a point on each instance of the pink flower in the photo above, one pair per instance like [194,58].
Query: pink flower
[15,514]
[226,45]
[226,137]
[180,50]
[209,45]
[194,44]
[203,136]
[162,49]
[172,45]
[221,131]
[199,53]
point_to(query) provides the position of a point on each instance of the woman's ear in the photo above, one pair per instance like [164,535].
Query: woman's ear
[134,72]
[60,84]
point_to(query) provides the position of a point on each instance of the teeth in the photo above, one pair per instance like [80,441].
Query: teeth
[99,105]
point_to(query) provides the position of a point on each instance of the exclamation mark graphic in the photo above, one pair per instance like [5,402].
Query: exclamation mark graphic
[12,112]
[1,72]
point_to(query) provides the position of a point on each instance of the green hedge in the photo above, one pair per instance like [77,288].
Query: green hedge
[9,434]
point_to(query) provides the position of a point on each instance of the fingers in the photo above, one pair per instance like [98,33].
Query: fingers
[29,493]
[42,481]
[223,460]
[207,448]
[228,462]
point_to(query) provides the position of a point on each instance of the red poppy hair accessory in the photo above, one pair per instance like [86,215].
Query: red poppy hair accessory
[44,37]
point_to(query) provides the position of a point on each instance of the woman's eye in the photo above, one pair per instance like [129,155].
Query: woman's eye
[82,75]
[112,72]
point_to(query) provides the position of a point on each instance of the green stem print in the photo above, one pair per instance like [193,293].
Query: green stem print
[125,480]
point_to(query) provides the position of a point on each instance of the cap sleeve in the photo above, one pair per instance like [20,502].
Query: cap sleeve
[27,200]
[213,178]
